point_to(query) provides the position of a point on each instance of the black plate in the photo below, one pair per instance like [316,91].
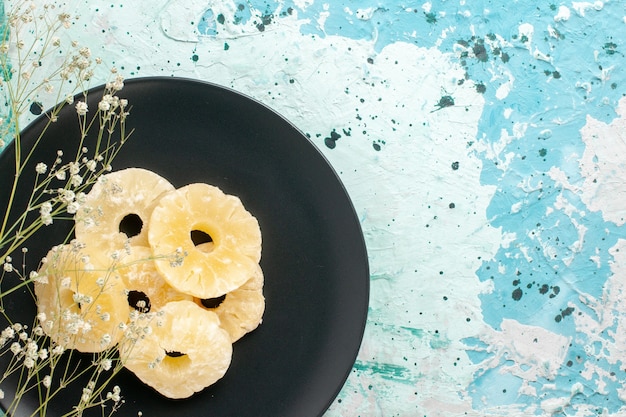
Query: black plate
[314,256]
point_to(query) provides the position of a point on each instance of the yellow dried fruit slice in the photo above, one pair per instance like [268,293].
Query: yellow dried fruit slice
[82,300]
[241,310]
[235,234]
[147,290]
[118,207]
[185,352]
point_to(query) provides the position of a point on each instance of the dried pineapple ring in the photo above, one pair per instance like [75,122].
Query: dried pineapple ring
[147,290]
[241,310]
[118,207]
[82,301]
[234,231]
[185,352]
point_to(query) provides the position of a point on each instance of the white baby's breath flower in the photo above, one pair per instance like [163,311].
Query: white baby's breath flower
[41,168]
[47,381]
[81,108]
[73,207]
[35,277]
[77,180]
[8,267]
[105,340]
[86,395]
[43,354]
[84,51]
[65,20]
[106,364]
[74,167]
[60,175]
[86,327]
[8,333]
[115,395]
[118,84]
[104,105]
[58,350]
[29,362]
[65,282]
[66,195]
[16,348]
[46,208]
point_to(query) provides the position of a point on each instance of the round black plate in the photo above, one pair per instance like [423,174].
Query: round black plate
[314,256]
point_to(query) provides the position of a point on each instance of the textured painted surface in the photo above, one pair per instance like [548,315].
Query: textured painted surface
[483,146]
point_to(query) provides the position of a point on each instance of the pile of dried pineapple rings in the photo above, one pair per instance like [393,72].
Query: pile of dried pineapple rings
[181,262]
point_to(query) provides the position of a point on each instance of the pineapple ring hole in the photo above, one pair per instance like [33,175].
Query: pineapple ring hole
[174,353]
[139,300]
[131,225]
[212,302]
[198,237]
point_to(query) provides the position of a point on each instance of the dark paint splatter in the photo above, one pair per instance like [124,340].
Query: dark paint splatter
[455,165]
[481,88]
[543,152]
[36,108]
[610,48]
[266,19]
[331,141]
[480,52]
[445,101]
[431,18]
[517,294]
[195,58]
[564,313]
[221,19]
